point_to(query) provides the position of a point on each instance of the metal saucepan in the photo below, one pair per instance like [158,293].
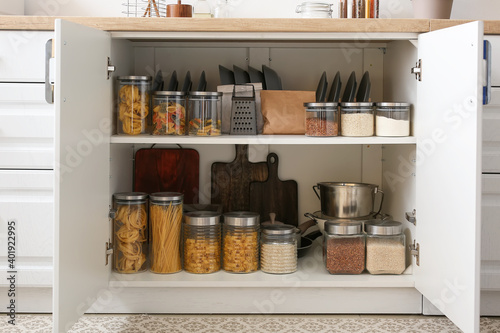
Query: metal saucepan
[348,200]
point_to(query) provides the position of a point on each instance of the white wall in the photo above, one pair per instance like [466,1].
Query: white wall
[462,9]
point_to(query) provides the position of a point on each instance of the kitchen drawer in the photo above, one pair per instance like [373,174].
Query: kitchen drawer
[22,55]
[491,133]
[26,127]
[27,197]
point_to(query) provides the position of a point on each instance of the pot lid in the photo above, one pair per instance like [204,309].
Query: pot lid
[241,219]
[202,218]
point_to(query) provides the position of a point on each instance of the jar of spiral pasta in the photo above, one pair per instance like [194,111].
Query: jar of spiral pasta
[202,242]
[165,222]
[169,113]
[278,251]
[130,232]
[240,252]
[133,104]
[205,113]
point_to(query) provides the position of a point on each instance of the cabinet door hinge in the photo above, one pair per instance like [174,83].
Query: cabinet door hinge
[111,68]
[109,251]
[417,70]
[411,216]
[415,251]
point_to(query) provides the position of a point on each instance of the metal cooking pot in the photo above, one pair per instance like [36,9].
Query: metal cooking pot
[348,200]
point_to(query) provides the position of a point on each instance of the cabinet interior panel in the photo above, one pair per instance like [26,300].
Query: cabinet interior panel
[491,134]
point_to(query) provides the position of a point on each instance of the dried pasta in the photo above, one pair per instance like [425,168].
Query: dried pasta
[133,109]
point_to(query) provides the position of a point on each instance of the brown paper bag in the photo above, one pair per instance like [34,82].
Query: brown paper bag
[283,111]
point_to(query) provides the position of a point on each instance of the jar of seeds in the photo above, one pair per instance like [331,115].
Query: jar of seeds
[385,247]
[344,247]
[278,251]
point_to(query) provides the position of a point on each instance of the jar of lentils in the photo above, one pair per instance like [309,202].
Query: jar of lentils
[278,251]
[344,247]
[240,252]
[385,247]
[322,119]
[357,119]
[202,242]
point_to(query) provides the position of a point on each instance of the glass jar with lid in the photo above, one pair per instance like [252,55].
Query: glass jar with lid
[201,8]
[278,251]
[392,119]
[344,247]
[385,247]
[356,119]
[169,113]
[202,242]
[130,232]
[133,104]
[165,222]
[205,113]
[240,253]
[322,119]
[314,10]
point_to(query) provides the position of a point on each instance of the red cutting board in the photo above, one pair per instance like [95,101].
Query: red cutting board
[231,181]
[168,170]
[275,196]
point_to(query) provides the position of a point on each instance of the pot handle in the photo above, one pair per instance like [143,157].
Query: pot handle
[314,189]
[381,202]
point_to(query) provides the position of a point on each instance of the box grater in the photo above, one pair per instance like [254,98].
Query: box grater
[243,114]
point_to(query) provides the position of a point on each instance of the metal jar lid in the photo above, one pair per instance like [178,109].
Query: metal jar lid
[278,229]
[134,78]
[130,196]
[166,196]
[169,93]
[202,218]
[343,228]
[393,104]
[383,228]
[241,219]
[330,105]
[205,93]
[356,104]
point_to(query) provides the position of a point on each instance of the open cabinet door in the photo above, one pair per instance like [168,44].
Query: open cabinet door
[83,104]
[448,128]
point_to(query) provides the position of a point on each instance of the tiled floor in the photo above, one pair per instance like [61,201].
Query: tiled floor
[247,324]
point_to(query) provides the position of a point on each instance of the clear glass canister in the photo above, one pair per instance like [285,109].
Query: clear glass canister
[278,251]
[130,232]
[392,119]
[165,222]
[169,113]
[344,247]
[133,104]
[205,112]
[356,119]
[322,119]
[240,252]
[385,247]
[314,10]
[202,242]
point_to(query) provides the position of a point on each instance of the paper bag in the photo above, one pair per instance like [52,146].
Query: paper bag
[283,111]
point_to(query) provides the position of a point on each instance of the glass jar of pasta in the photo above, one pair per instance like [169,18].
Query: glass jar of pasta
[205,113]
[130,232]
[202,242]
[165,222]
[169,113]
[240,252]
[133,104]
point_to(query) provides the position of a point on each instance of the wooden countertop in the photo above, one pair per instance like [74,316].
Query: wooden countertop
[240,24]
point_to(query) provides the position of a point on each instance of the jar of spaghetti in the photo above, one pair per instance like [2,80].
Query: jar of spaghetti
[133,104]
[169,113]
[165,222]
[202,242]
[240,252]
[130,232]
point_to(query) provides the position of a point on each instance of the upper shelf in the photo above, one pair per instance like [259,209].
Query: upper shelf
[140,24]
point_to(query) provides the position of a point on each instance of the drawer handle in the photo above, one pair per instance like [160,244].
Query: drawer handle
[487,57]
[49,85]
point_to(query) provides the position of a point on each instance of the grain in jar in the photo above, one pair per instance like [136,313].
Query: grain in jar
[133,104]
[392,119]
[357,119]
[278,251]
[130,232]
[344,247]
[385,247]
[202,242]
[240,252]
[165,219]
[321,119]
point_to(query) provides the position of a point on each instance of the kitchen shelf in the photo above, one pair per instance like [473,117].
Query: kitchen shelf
[261,139]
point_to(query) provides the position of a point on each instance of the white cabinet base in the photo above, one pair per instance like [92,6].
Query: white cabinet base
[29,300]
[490,303]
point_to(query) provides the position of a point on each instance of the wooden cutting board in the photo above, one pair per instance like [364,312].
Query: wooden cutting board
[275,196]
[168,170]
[231,181]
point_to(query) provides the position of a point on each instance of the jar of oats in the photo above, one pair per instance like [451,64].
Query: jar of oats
[278,250]
[202,242]
[240,251]
[385,247]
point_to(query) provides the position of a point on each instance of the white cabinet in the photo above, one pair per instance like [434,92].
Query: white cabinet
[419,172]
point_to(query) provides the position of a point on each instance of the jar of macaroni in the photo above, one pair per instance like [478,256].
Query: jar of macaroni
[278,251]
[133,104]
[130,232]
[240,252]
[202,242]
